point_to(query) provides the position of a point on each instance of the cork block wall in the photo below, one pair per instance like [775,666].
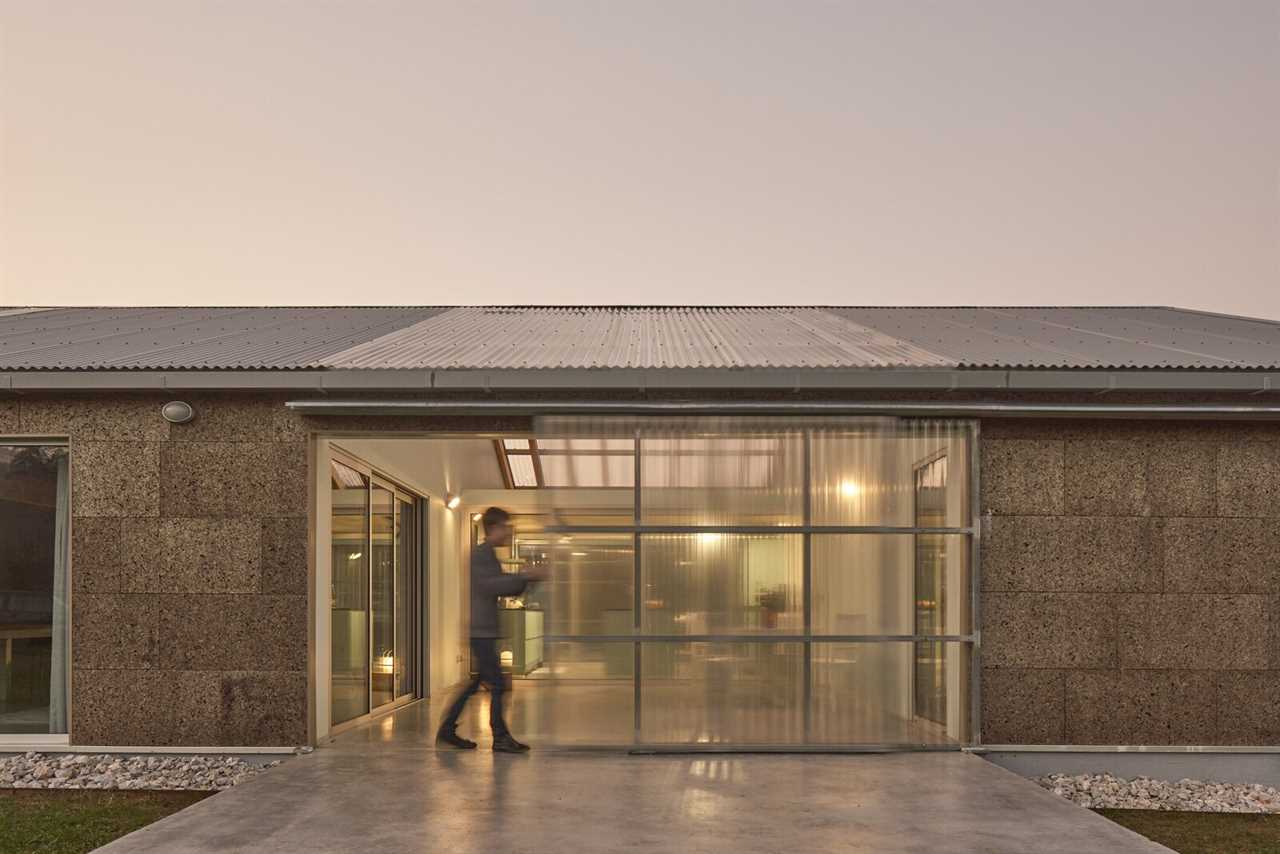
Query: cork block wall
[1130,582]
[188,569]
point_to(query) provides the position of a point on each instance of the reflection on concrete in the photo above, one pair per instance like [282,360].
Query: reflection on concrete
[383,787]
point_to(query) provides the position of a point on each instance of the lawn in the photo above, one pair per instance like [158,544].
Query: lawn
[1204,832]
[70,821]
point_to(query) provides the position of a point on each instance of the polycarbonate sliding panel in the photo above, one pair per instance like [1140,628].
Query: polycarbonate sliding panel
[703,480]
[891,584]
[721,693]
[591,586]
[583,694]
[705,583]
[891,473]
[895,692]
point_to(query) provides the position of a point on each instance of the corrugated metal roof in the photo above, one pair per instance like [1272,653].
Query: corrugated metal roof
[631,337]
[636,337]
[191,338]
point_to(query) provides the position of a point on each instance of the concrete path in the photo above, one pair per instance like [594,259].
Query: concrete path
[382,788]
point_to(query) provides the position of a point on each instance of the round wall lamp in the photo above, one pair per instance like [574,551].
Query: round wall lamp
[177,412]
[452,501]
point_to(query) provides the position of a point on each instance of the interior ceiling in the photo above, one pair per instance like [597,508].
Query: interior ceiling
[438,466]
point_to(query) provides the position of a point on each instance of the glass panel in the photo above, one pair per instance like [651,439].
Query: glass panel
[869,477]
[33,589]
[890,584]
[700,584]
[710,693]
[863,693]
[382,664]
[522,471]
[516,444]
[350,593]
[723,480]
[583,694]
[407,599]
[590,590]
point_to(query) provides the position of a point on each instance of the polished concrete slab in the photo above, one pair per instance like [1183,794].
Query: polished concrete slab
[382,787]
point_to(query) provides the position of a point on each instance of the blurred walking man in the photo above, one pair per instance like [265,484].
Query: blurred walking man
[488,582]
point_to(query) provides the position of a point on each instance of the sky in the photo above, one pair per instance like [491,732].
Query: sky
[274,152]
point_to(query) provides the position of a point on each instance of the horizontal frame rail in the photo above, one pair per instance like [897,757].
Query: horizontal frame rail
[759,638]
[751,529]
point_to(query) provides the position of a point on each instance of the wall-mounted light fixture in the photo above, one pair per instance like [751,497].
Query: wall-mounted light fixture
[476,517]
[452,501]
[177,412]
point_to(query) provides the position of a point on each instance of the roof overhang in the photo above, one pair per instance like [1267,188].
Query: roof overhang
[340,381]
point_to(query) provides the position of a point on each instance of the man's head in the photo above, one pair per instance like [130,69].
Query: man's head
[497,526]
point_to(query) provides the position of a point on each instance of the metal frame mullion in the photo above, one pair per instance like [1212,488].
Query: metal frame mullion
[762,638]
[636,596]
[806,586]
[975,585]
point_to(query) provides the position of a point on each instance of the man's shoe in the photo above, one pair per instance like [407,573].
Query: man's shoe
[507,744]
[449,738]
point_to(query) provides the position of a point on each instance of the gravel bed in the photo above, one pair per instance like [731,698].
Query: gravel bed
[1103,791]
[113,771]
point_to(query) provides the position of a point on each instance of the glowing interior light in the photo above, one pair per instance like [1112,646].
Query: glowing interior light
[452,502]
[708,538]
[850,488]
[476,517]
[508,658]
[578,554]
[355,555]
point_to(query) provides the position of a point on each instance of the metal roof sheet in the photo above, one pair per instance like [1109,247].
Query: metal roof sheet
[801,337]
[190,338]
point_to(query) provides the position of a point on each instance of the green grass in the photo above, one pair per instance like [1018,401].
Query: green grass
[1204,832]
[70,821]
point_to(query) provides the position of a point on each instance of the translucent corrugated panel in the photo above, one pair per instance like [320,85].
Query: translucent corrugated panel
[902,474]
[890,693]
[583,694]
[722,480]
[709,583]
[711,693]
[890,584]
[592,583]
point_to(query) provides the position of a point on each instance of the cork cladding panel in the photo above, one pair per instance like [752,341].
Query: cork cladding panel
[1130,582]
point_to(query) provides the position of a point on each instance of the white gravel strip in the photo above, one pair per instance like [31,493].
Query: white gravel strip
[1103,791]
[112,771]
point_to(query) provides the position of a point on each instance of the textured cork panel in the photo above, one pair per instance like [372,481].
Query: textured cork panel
[145,707]
[227,632]
[284,566]
[219,479]
[140,556]
[1249,479]
[1022,477]
[1182,478]
[263,708]
[210,555]
[1193,631]
[1105,478]
[1064,553]
[112,418]
[112,631]
[1048,630]
[1141,707]
[239,418]
[115,478]
[1220,555]
[1248,708]
[1023,706]
[10,421]
[95,554]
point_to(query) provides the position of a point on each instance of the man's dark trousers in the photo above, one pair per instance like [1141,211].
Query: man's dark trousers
[484,653]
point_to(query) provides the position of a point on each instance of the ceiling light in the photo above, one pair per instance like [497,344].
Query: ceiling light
[452,501]
[476,517]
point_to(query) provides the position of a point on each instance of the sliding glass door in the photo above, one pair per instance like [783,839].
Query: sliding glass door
[377,584]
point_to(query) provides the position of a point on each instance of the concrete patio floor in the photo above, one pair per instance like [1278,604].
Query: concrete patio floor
[384,788]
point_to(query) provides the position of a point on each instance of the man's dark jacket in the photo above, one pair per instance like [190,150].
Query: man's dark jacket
[488,582]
